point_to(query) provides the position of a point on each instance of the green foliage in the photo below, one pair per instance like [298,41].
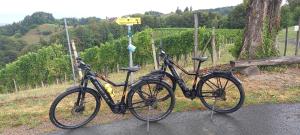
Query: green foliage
[109,54]
[222,11]
[285,16]
[9,49]
[290,13]
[238,44]
[237,18]
[50,63]
[45,65]
[268,48]
[181,42]
[92,34]
[92,31]
[178,44]
[97,37]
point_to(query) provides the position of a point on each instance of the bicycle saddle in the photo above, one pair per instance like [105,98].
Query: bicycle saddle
[131,69]
[201,59]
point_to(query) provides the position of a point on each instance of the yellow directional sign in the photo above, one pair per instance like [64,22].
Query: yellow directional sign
[128,21]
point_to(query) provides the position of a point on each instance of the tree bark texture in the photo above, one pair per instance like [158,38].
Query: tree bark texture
[259,13]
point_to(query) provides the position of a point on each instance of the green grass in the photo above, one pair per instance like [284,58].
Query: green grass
[33,36]
[290,95]
[28,107]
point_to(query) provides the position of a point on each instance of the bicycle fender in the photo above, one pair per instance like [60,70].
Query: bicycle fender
[78,87]
[156,72]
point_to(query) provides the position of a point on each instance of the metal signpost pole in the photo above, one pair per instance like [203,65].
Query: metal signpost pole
[130,52]
[131,48]
[69,45]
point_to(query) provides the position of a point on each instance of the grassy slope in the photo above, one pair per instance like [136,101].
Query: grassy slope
[33,36]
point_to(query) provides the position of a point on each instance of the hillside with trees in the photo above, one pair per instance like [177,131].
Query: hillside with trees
[42,29]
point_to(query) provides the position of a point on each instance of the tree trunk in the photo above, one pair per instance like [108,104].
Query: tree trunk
[273,15]
[213,47]
[260,13]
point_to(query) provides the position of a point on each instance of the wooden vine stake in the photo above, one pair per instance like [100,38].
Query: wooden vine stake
[298,36]
[195,39]
[213,45]
[15,84]
[285,41]
[153,52]
[76,55]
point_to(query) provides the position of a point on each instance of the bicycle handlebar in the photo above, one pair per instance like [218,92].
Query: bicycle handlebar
[82,65]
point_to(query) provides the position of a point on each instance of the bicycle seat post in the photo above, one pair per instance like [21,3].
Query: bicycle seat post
[197,71]
[127,78]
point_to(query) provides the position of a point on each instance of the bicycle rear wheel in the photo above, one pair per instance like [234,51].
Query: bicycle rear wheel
[221,93]
[73,109]
[147,102]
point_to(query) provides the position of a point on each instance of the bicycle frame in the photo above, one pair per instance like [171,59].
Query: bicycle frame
[115,107]
[189,93]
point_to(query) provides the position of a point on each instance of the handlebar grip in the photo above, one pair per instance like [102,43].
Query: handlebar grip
[78,59]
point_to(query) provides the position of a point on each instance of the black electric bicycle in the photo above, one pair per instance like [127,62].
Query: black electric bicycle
[80,104]
[219,91]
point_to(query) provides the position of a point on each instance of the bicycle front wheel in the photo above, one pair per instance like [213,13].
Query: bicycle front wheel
[221,93]
[74,108]
[147,102]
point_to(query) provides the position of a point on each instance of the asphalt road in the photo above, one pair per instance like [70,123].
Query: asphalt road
[283,119]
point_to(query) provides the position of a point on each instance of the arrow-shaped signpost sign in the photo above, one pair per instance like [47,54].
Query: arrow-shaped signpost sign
[129,22]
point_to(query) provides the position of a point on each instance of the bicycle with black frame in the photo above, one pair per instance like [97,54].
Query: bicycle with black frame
[219,91]
[80,104]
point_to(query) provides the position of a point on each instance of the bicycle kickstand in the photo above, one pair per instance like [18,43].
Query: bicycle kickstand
[148,124]
[213,110]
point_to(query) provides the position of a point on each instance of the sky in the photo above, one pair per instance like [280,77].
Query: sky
[16,10]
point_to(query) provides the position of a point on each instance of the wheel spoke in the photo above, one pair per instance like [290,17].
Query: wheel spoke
[156,90]
[212,83]
[159,100]
[69,115]
[150,90]
[142,93]
[163,98]
[230,87]
[221,100]
[209,86]
[138,102]
[219,82]
[136,107]
[225,84]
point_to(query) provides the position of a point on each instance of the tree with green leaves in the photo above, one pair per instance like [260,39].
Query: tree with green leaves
[237,17]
